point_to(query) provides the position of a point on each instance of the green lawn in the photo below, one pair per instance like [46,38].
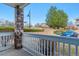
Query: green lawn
[66,49]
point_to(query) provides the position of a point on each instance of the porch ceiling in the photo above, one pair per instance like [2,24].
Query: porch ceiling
[22,5]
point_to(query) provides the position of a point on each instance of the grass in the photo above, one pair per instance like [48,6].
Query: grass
[66,49]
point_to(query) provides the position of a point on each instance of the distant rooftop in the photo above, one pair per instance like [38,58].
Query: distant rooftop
[77,19]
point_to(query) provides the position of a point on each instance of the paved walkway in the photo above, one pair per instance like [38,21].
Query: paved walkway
[14,52]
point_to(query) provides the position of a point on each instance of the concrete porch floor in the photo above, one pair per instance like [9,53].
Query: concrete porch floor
[14,52]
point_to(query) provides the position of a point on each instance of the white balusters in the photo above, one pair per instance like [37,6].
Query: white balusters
[0,41]
[50,48]
[54,48]
[44,47]
[34,43]
[5,41]
[47,47]
[69,50]
[39,45]
[76,50]
[63,48]
[58,48]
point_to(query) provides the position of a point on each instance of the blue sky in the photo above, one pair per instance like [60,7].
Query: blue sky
[39,11]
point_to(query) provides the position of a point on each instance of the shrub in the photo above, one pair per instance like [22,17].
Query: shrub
[33,30]
[11,29]
[6,29]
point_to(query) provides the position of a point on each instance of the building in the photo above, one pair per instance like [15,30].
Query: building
[6,23]
[42,25]
[77,23]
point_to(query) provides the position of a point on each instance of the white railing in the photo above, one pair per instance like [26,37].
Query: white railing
[37,44]
[6,40]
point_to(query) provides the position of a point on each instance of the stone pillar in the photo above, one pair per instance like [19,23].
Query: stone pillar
[18,27]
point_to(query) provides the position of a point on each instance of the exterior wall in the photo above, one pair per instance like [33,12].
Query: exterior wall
[77,23]
[18,27]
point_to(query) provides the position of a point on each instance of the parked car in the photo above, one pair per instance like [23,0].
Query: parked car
[70,33]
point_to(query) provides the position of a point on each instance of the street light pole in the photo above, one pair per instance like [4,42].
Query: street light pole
[29,15]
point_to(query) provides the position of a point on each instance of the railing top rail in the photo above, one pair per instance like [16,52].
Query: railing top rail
[6,33]
[63,39]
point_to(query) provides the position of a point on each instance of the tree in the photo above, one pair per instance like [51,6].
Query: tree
[56,18]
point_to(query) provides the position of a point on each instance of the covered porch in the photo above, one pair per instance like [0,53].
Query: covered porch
[19,43]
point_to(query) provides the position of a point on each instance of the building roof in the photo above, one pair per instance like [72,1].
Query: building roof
[77,19]
[22,5]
